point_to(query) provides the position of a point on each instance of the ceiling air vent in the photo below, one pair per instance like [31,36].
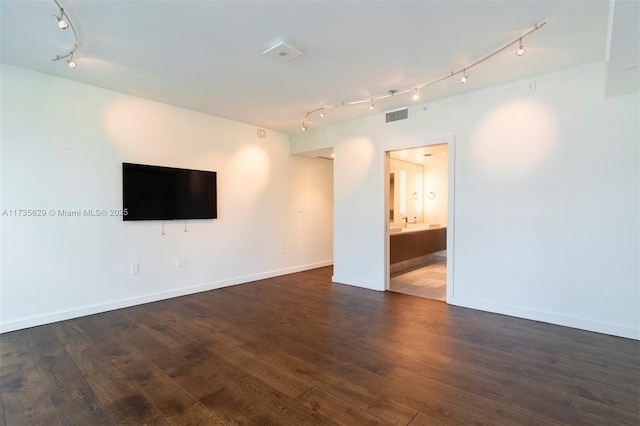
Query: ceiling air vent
[399,114]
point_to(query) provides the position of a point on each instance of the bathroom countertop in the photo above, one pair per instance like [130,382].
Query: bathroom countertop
[414,227]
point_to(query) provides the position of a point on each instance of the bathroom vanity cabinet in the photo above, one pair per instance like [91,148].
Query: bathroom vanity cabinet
[412,244]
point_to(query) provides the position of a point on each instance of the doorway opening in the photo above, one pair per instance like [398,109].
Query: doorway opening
[418,212]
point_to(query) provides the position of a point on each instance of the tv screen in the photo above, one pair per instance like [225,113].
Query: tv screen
[167,193]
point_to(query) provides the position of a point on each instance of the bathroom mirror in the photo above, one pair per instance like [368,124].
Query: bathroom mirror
[406,182]
[431,162]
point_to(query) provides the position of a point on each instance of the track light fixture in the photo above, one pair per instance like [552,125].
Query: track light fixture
[63,23]
[416,89]
[521,50]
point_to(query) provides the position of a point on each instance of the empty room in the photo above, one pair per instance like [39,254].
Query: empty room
[319,212]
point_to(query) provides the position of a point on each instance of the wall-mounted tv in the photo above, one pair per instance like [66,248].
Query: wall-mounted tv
[167,193]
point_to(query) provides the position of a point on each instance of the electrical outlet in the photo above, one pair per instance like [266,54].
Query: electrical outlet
[135,268]
[281,249]
[181,262]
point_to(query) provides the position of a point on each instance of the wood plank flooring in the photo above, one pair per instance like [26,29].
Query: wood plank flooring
[297,350]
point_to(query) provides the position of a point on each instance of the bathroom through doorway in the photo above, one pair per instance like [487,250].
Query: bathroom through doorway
[418,211]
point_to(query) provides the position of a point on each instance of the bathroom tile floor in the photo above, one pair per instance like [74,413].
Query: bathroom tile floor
[428,281]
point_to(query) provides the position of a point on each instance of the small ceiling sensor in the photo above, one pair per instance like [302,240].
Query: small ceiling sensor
[283,52]
[261,133]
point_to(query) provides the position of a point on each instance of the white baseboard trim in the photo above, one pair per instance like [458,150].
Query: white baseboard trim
[125,303]
[579,323]
[357,283]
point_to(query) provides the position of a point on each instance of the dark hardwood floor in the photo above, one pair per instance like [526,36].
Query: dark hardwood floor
[298,349]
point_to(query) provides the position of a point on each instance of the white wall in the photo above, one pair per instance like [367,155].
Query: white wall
[62,148]
[435,180]
[546,207]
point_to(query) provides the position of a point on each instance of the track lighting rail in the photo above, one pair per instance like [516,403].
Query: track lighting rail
[63,23]
[416,88]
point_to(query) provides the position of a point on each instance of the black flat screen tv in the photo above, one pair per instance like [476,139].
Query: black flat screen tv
[167,193]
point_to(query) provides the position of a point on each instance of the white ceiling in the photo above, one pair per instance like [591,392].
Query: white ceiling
[207,55]
[421,155]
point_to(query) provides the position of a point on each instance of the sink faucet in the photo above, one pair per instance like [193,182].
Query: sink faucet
[406,219]
[415,219]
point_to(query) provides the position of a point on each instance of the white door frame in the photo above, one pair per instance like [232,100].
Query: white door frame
[451,151]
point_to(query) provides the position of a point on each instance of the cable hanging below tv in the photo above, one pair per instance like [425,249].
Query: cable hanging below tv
[167,193]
